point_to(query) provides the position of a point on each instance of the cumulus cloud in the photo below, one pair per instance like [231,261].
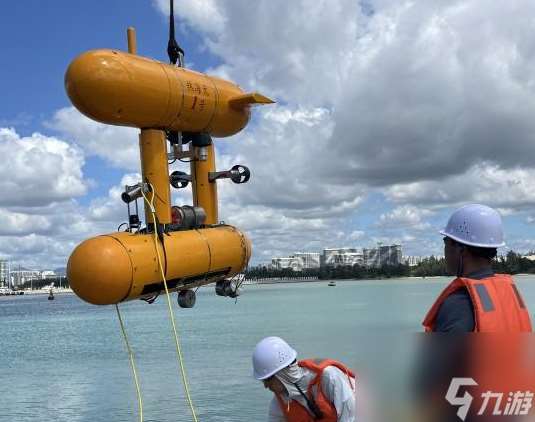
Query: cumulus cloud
[415,92]
[428,103]
[274,233]
[483,183]
[16,223]
[38,170]
[285,154]
[47,235]
[116,145]
[447,86]
[40,179]
[405,216]
[356,234]
[111,207]
[202,14]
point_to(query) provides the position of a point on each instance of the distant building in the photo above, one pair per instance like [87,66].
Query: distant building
[341,257]
[5,273]
[23,275]
[307,260]
[389,255]
[282,263]
[371,257]
[299,261]
[337,257]
[412,261]
[367,257]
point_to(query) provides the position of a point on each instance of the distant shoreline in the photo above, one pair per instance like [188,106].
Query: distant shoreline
[41,292]
[62,291]
[341,280]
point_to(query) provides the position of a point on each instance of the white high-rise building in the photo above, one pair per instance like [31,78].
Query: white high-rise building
[48,274]
[382,255]
[336,257]
[282,263]
[299,261]
[21,276]
[307,260]
[5,273]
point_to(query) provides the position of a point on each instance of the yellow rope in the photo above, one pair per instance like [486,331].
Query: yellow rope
[171,314]
[132,364]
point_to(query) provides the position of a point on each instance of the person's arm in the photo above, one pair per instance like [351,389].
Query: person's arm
[275,413]
[339,392]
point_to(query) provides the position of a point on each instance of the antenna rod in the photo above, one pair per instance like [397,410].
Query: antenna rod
[132,44]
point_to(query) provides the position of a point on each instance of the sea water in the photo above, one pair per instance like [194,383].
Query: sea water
[65,360]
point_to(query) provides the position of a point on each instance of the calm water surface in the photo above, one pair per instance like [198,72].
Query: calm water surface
[65,360]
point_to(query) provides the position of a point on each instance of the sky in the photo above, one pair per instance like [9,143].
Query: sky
[389,115]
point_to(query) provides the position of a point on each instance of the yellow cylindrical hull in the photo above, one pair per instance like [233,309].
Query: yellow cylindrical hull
[122,266]
[124,89]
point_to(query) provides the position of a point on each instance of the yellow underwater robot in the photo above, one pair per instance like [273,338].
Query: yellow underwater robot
[168,103]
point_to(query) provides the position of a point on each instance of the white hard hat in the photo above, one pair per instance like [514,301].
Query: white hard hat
[270,356]
[475,225]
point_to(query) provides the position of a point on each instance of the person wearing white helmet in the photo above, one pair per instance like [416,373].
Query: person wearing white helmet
[478,299]
[306,390]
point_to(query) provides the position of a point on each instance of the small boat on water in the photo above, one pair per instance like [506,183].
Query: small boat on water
[332,283]
[50,295]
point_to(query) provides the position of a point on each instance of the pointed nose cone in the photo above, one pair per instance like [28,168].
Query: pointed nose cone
[99,271]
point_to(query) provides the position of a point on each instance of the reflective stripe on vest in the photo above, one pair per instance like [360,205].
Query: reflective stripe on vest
[296,412]
[498,305]
[484,297]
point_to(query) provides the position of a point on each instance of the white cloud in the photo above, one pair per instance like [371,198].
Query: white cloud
[112,207]
[116,145]
[482,183]
[38,170]
[296,51]
[285,155]
[356,235]
[429,103]
[446,87]
[15,223]
[275,233]
[204,15]
[416,92]
[41,222]
[405,216]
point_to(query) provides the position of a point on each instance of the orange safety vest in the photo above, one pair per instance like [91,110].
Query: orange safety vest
[296,412]
[498,305]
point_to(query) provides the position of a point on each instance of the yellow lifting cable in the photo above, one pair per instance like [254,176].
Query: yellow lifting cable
[132,364]
[171,314]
